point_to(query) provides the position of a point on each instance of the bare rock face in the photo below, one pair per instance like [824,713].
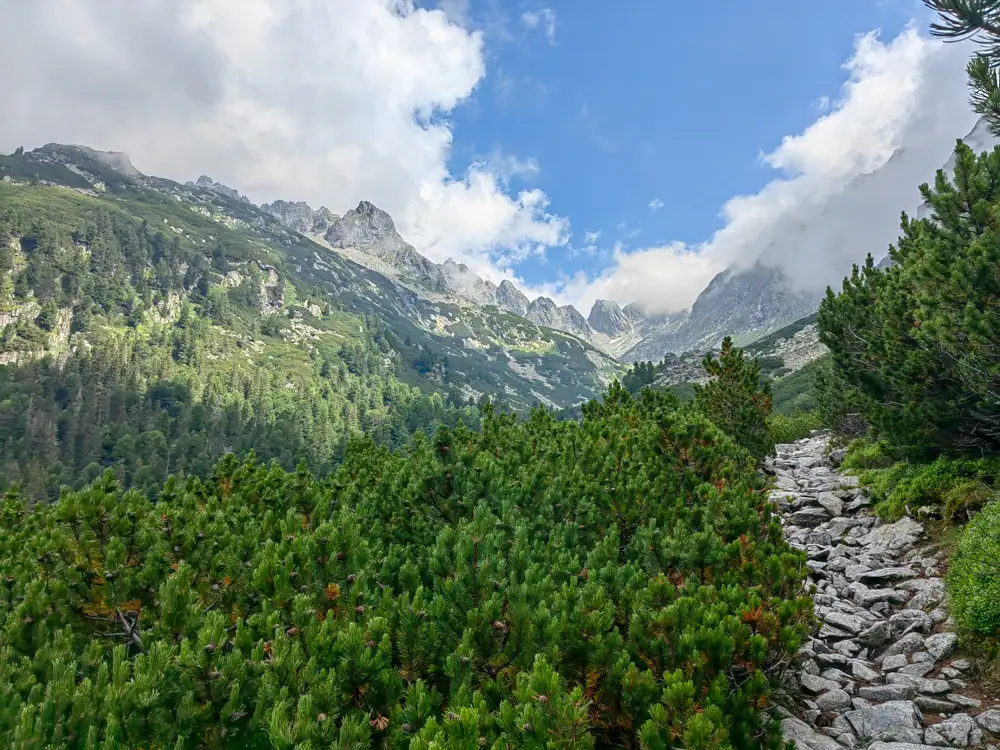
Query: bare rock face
[207,183]
[610,319]
[372,231]
[544,312]
[879,671]
[299,217]
[512,299]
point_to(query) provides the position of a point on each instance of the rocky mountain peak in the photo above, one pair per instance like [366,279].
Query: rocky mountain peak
[634,312]
[610,319]
[362,227]
[207,183]
[467,284]
[544,312]
[512,299]
[300,217]
[118,161]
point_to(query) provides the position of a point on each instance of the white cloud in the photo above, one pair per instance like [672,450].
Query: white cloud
[591,238]
[544,19]
[329,101]
[908,94]
[506,167]
[655,205]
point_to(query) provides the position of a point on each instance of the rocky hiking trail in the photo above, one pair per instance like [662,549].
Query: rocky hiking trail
[881,670]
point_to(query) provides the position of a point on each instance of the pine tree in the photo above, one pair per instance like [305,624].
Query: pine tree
[917,340]
[979,20]
[736,399]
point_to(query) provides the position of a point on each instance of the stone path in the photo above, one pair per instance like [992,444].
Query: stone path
[880,671]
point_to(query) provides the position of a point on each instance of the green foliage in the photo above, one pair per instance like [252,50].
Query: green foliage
[865,453]
[683,391]
[783,428]
[761,346]
[208,235]
[641,375]
[771,363]
[914,344]
[614,582]
[840,403]
[795,392]
[736,399]
[171,370]
[948,487]
[973,579]
[48,317]
[963,19]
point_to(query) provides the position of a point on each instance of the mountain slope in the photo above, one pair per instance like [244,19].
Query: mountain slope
[368,236]
[265,332]
[788,357]
[788,279]
[744,305]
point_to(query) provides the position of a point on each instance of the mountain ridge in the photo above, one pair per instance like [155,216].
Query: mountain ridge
[440,342]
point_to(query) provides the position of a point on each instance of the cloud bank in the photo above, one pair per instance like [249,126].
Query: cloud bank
[839,185]
[328,101]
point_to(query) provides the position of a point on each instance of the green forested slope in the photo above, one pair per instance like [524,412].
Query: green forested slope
[153,327]
[614,582]
[128,347]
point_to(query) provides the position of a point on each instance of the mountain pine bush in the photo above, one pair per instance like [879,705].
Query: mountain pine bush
[736,398]
[973,581]
[618,582]
[914,345]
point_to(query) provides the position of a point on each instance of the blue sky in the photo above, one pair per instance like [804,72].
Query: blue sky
[630,102]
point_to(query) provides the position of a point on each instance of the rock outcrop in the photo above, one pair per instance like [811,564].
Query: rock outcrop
[880,670]
[512,299]
[207,183]
[610,319]
[299,217]
[545,312]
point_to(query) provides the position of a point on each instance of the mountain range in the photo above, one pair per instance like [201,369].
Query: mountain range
[360,256]
[747,302]
[440,337]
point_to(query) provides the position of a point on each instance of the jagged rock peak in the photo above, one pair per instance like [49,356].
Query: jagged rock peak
[575,318]
[545,312]
[465,283]
[361,227]
[512,299]
[207,183]
[610,319]
[300,217]
[634,311]
[543,304]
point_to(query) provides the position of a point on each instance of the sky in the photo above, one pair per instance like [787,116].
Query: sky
[584,149]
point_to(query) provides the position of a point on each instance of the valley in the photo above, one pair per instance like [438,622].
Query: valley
[626,399]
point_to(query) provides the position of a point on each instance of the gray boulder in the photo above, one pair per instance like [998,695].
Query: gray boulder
[893,538]
[873,720]
[805,737]
[990,721]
